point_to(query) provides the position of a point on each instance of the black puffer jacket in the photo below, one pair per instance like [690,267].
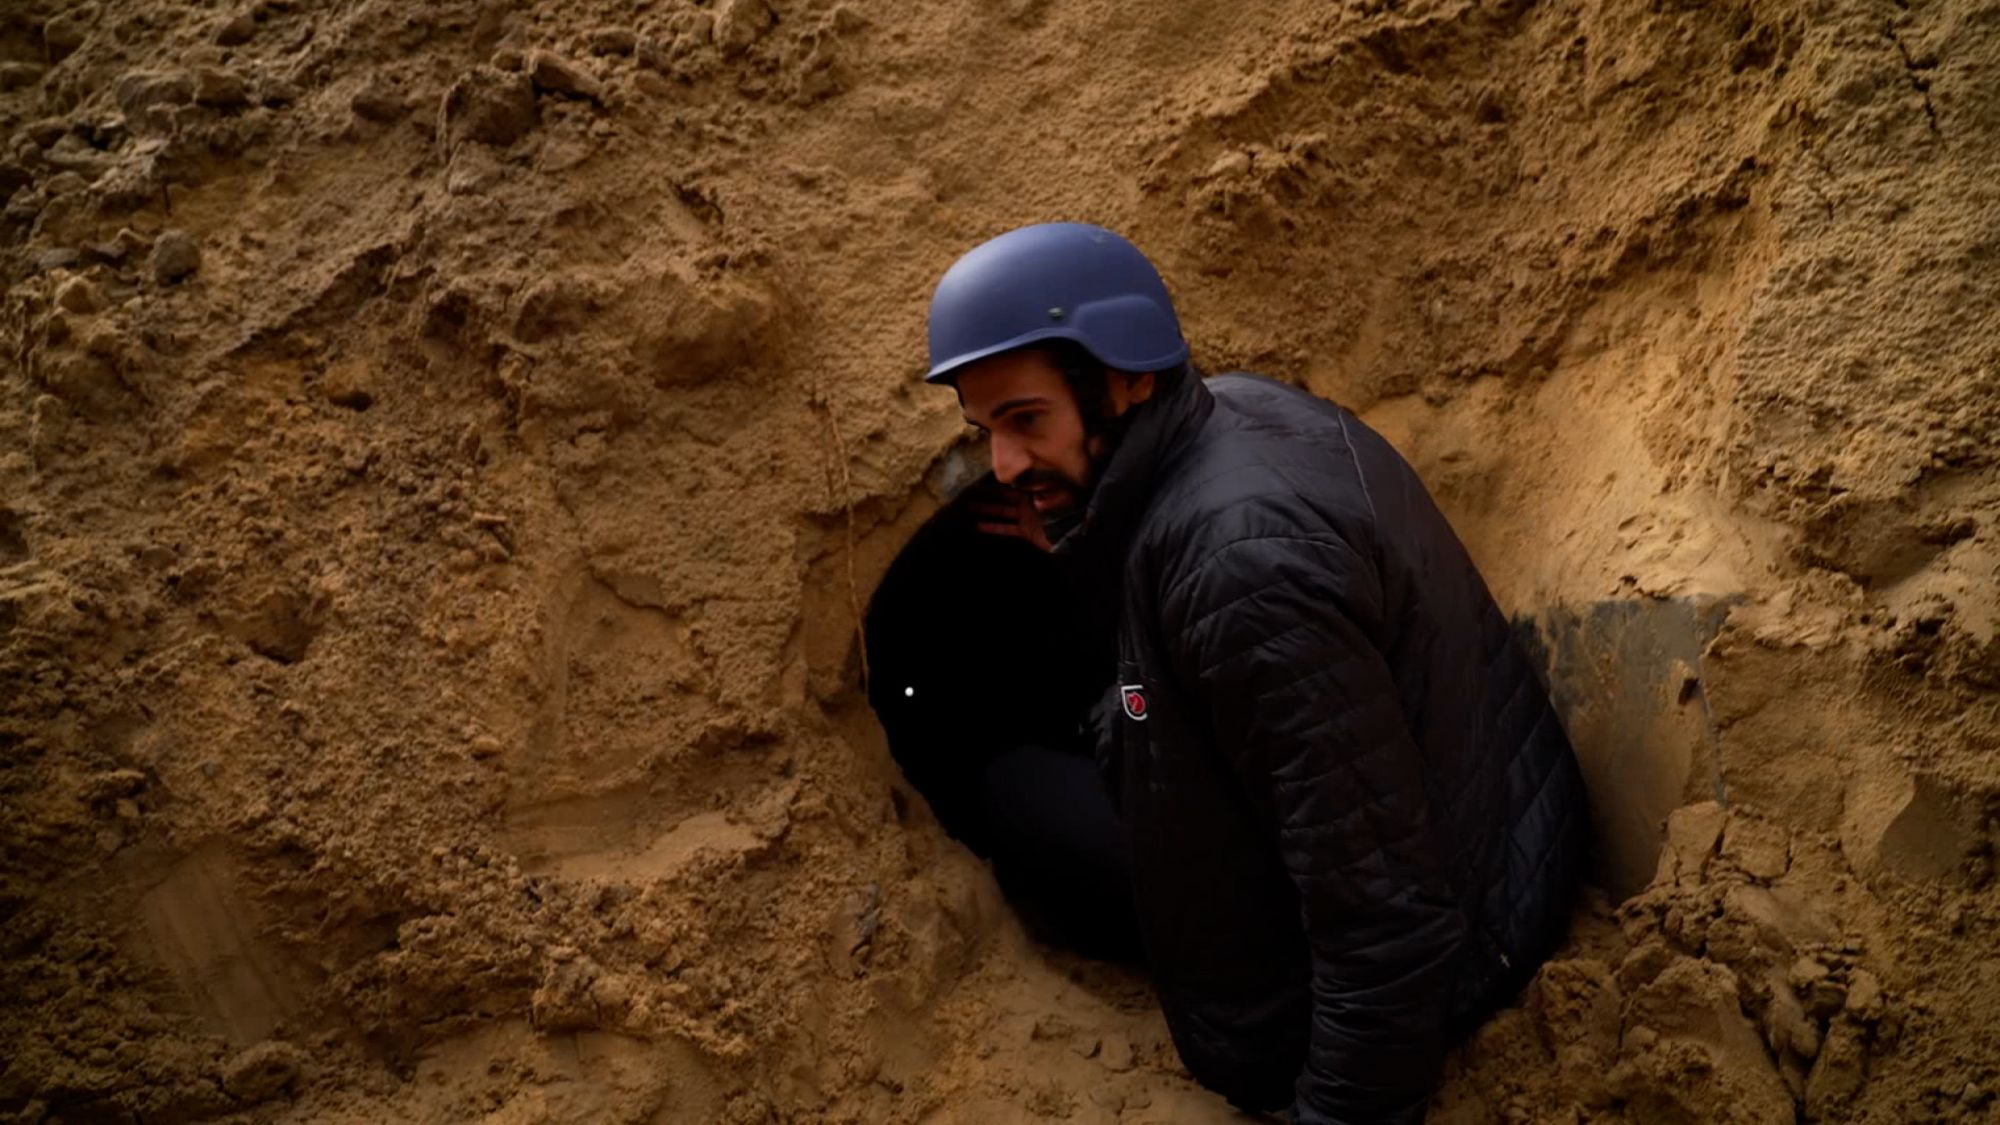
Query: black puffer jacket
[1355,819]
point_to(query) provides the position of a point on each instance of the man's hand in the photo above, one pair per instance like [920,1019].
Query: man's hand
[999,510]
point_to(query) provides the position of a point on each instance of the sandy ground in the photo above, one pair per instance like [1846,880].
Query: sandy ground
[443,449]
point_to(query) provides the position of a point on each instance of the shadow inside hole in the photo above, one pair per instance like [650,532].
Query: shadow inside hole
[985,662]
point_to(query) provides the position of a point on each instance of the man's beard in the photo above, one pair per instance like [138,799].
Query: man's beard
[1064,518]
[1100,443]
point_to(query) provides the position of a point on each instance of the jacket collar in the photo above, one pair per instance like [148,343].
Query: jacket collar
[1160,430]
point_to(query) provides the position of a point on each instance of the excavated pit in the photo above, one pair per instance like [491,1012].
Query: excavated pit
[444,457]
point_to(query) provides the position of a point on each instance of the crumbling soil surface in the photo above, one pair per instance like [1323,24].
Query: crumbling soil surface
[444,449]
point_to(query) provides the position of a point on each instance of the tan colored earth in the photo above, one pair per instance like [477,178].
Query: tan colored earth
[444,448]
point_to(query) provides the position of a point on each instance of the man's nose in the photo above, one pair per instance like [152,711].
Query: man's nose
[1009,460]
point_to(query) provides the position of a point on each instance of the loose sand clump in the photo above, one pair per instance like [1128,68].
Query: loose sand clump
[444,451]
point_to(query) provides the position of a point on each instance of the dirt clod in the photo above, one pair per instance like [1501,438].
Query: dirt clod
[79,296]
[613,41]
[555,74]
[176,256]
[262,1072]
[219,89]
[489,106]
[740,23]
[236,30]
[379,101]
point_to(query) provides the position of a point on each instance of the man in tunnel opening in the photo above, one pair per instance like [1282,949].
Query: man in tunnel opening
[1353,822]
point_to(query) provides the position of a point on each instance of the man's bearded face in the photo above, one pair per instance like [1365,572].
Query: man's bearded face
[1041,445]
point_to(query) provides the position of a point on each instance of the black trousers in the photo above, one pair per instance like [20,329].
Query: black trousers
[1058,850]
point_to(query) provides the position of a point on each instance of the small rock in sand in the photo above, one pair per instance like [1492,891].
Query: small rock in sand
[1116,1053]
[262,1072]
[613,41]
[378,101]
[176,254]
[236,30]
[109,253]
[351,384]
[557,75]
[651,84]
[79,296]
[61,258]
[219,89]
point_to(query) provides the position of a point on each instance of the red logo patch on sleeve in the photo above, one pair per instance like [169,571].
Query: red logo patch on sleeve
[1134,696]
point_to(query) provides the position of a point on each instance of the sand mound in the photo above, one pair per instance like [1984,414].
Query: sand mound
[444,451]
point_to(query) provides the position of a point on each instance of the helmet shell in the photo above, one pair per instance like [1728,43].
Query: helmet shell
[1054,281]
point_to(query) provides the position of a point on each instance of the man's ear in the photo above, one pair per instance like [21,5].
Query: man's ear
[1128,390]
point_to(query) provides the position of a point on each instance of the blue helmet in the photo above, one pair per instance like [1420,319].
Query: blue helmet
[1054,281]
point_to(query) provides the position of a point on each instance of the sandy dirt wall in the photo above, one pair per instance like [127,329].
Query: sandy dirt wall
[443,451]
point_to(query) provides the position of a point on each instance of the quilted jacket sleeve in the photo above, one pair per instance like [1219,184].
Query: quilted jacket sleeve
[1269,634]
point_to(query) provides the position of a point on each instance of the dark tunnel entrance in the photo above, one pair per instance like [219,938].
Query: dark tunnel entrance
[985,663]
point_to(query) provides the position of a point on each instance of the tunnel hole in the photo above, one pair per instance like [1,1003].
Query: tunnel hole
[986,659]
[980,634]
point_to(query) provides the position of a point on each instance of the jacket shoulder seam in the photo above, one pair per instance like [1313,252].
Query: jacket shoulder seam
[1360,475]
